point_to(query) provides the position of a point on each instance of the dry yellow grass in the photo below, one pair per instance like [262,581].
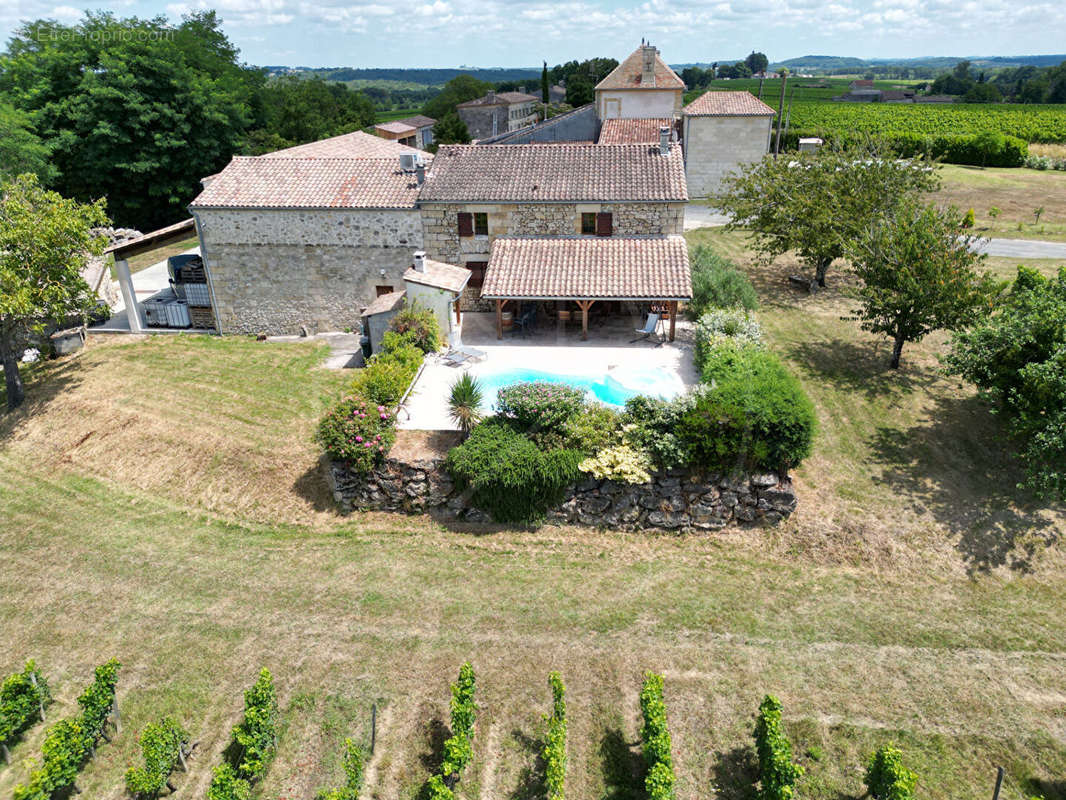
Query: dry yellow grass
[1016,193]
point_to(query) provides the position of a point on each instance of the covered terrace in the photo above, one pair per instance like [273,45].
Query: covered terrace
[586,270]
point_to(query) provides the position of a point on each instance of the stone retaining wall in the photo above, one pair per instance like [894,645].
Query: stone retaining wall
[674,500]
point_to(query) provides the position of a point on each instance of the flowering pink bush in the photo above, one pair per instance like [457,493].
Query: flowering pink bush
[357,432]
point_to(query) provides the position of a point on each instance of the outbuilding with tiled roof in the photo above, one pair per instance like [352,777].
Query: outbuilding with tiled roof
[722,132]
[634,131]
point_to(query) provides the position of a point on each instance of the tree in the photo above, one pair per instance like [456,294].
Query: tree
[450,129]
[983,93]
[20,148]
[136,110]
[816,203]
[919,275]
[545,94]
[45,242]
[1017,358]
[757,62]
[458,90]
[579,90]
[298,110]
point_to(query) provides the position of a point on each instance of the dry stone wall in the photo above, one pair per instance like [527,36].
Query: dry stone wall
[675,500]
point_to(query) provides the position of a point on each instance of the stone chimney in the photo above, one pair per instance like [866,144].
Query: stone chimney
[490,98]
[647,72]
[420,172]
[522,89]
[420,260]
[664,140]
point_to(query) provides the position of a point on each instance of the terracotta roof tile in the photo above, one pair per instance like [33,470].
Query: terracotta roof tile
[633,131]
[654,268]
[555,173]
[356,144]
[439,275]
[627,75]
[727,104]
[264,182]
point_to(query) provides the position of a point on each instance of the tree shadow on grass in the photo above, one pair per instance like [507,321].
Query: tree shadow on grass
[436,734]
[313,488]
[623,768]
[735,774]
[1049,790]
[531,781]
[43,382]
[957,466]
[860,367]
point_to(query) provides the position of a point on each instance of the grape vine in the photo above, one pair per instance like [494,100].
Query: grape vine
[777,772]
[659,782]
[554,752]
[162,745]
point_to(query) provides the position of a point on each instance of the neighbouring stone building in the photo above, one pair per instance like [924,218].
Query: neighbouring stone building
[723,131]
[498,112]
[474,195]
[307,237]
[642,86]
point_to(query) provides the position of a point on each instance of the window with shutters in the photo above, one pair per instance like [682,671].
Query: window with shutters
[466,224]
[481,224]
[604,224]
[588,222]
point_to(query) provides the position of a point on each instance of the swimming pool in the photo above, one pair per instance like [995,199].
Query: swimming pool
[612,388]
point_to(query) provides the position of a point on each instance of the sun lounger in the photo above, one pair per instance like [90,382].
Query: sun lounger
[650,328]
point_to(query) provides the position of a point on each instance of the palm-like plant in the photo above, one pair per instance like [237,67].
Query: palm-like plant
[464,402]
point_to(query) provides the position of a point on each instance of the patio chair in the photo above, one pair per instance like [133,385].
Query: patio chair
[525,323]
[651,326]
[457,356]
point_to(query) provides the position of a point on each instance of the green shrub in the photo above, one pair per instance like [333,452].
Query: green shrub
[777,773]
[592,429]
[619,463]
[353,772]
[887,778]
[21,700]
[421,325]
[753,417]
[721,325]
[227,785]
[357,433]
[970,219]
[554,752]
[403,348]
[650,424]
[717,283]
[161,746]
[512,478]
[386,377]
[540,406]
[654,733]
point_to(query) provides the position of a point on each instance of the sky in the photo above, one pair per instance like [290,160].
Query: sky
[521,33]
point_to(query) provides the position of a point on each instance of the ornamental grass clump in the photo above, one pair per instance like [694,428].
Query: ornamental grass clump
[464,402]
[539,406]
[358,433]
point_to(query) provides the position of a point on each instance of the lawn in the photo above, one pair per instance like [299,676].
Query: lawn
[163,505]
[1016,192]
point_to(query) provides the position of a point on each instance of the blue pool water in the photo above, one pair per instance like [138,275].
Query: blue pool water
[609,389]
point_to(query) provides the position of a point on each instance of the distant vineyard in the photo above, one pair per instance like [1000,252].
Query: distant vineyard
[1031,123]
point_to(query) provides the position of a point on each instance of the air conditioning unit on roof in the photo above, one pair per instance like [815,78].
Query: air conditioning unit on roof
[409,161]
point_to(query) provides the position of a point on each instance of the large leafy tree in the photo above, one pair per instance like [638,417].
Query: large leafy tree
[918,275]
[21,150]
[450,129]
[134,109]
[1017,358]
[816,203]
[757,62]
[298,110]
[45,242]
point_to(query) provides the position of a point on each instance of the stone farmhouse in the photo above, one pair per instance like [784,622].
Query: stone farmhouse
[475,196]
[498,112]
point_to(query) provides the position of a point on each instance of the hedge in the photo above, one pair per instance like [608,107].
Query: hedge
[978,149]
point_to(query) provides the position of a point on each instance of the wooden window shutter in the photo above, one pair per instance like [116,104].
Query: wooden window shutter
[466,223]
[604,224]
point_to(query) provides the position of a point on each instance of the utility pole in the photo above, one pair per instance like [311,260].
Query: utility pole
[762,80]
[780,111]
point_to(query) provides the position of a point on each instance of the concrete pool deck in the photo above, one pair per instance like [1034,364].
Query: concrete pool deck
[552,349]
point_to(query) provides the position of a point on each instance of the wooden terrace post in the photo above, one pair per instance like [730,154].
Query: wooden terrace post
[673,318]
[458,313]
[585,305]
[499,319]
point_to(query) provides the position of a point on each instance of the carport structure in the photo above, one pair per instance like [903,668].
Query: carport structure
[649,269]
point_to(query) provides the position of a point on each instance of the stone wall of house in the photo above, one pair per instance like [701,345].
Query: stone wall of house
[440,226]
[718,146]
[675,500]
[273,271]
